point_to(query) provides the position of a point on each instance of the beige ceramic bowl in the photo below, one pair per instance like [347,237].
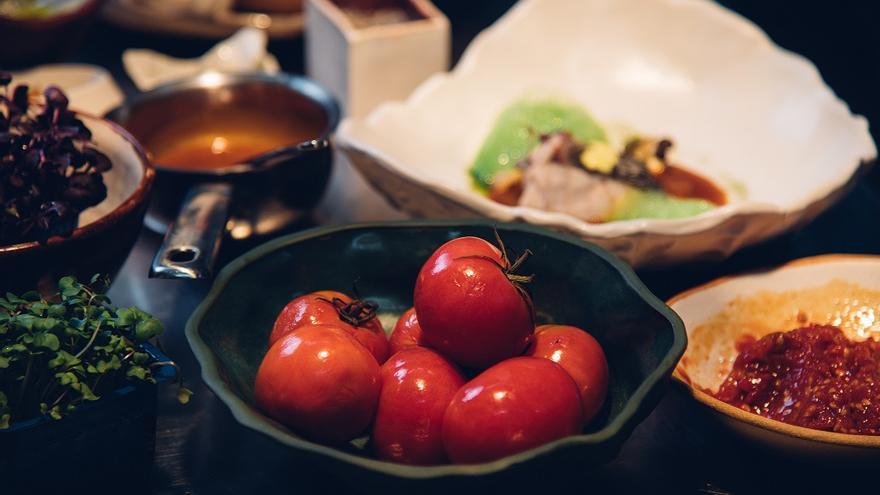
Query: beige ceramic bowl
[106,232]
[832,289]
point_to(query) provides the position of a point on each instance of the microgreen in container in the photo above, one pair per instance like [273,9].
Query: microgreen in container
[77,387]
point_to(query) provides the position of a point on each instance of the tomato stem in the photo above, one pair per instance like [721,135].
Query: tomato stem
[519,261]
[517,280]
[355,313]
[509,268]
[520,279]
[506,266]
[501,247]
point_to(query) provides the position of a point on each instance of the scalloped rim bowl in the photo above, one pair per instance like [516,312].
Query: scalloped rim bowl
[643,397]
[746,113]
[700,303]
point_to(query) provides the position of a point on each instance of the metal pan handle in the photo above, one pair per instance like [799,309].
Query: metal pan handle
[190,247]
[281,155]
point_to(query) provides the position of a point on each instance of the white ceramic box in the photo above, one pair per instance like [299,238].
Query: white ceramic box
[364,66]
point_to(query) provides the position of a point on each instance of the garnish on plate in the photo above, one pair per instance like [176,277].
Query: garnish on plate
[554,157]
[49,170]
[57,352]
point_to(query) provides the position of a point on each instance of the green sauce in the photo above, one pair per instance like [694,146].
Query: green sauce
[657,204]
[518,129]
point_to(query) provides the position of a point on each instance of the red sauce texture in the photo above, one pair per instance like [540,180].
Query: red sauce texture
[813,377]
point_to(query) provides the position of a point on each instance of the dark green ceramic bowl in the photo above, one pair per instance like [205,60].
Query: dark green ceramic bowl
[575,283]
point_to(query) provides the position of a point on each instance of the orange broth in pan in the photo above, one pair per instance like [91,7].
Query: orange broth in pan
[204,142]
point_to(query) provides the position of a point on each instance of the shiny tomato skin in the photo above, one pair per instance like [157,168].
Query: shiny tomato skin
[467,307]
[316,308]
[372,336]
[319,381]
[407,332]
[516,405]
[309,309]
[581,356]
[417,386]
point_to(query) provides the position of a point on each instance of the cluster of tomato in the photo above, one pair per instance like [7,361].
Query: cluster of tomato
[328,374]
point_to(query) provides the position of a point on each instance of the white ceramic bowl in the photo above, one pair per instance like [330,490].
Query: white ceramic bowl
[755,118]
[711,350]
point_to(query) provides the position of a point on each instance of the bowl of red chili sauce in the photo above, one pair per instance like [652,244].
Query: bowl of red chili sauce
[790,357]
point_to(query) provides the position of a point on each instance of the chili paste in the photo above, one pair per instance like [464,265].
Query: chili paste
[813,377]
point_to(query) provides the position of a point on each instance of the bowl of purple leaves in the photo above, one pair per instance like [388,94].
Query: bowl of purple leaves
[73,189]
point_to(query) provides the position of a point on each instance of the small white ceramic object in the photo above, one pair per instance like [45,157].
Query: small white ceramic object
[366,66]
[245,51]
[755,118]
[711,354]
[89,88]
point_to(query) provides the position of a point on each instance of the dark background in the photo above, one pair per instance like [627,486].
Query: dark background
[201,449]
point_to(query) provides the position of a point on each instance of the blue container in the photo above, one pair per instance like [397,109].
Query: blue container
[99,445]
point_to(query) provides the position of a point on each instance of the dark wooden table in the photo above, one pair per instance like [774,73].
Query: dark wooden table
[201,449]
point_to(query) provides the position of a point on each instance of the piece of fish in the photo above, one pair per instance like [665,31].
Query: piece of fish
[551,185]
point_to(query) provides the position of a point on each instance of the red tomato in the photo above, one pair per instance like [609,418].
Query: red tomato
[319,381]
[372,336]
[406,333]
[467,306]
[311,309]
[581,356]
[417,386]
[318,308]
[513,406]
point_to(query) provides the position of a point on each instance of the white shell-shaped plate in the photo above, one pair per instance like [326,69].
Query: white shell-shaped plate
[755,118]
